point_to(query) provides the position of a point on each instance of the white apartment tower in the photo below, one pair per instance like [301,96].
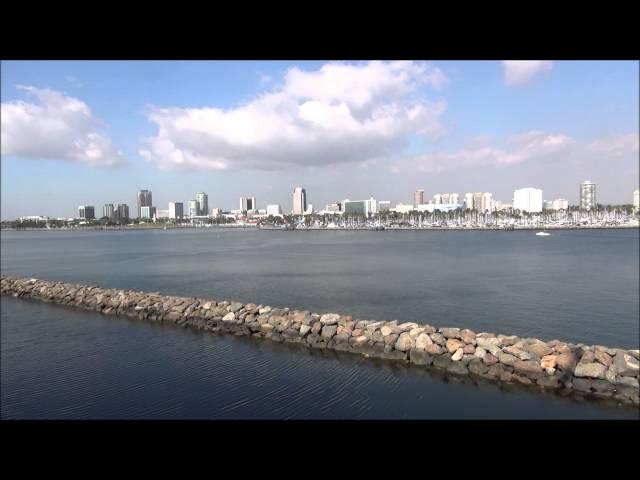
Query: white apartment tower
[299,201]
[528,200]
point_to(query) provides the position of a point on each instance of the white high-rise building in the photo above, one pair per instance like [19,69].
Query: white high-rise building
[528,200]
[194,208]
[274,210]
[147,212]
[418,197]
[203,203]
[468,201]
[437,198]
[176,210]
[372,205]
[299,201]
[560,204]
[108,211]
[247,204]
[636,198]
[587,195]
[384,206]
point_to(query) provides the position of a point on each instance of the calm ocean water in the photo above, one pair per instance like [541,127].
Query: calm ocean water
[578,286]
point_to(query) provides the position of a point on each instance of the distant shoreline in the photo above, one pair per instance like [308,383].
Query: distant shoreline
[276,229]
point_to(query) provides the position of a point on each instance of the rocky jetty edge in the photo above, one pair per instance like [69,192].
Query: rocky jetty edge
[591,371]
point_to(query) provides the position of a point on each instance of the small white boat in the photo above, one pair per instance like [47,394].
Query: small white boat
[543,234]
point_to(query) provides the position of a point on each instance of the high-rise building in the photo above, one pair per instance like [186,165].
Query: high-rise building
[356,207]
[528,200]
[216,212]
[468,201]
[299,201]
[333,207]
[247,204]
[636,198]
[418,197]
[487,204]
[274,210]
[477,201]
[176,210]
[203,203]
[372,205]
[123,212]
[437,199]
[194,208]
[160,213]
[453,198]
[587,195]
[384,206]
[87,212]
[144,200]
[560,204]
[147,212]
[108,211]
[547,205]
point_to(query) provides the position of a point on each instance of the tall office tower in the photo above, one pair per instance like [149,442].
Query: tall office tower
[587,195]
[144,200]
[468,201]
[528,200]
[453,198]
[487,202]
[299,201]
[194,208]
[108,211]
[87,212]
[247,204]
[203,203]
[418,197]
[176,210]
[477,201]
[123,212]
[636,198]
[437,198]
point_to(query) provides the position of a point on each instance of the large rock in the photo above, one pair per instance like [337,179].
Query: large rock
[419,357]
[628,381]
[442,361]
[480,352]
[434,349]
[477,366]
[329,331]
[486,343]
[438,338]
[593,370]
[490,359]
[469,349]
[316,328]
[548,361]
[468,336]
[459,353]
[422,341]
[625,364]
[304,329]
[457,368]
[567,361]
[603,358]
[540,349]
[450,332]
[235,306]
[386,331]
[587,357]
[527,367]
[329,319]
[453,345]
[405,342]
[517,352]
[510,340]
[229,317]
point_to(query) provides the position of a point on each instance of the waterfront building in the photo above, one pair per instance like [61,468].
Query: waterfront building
[403,208]
[144,200]
[333,207]
[372,206]
[356,207]
[203,203]
[34,218]
[528,200]
[176,210]
[147,213]
[309,209]
[587,195]
[194,208]
[108,211]
[442,207]
[87,212]
[501,206]
[123,212]
[437,198]
[384,206]
[299,201]
[468,201]
[560,204]
[216,212]
[636,198]
[454,198]
[547,205]
[247,204]
[418,197]
[477,201]
[274,210]
[486,202]
[162,213]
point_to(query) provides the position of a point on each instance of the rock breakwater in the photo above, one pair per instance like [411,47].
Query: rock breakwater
[585,370]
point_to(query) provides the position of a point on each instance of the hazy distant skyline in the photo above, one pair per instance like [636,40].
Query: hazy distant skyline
[97,132]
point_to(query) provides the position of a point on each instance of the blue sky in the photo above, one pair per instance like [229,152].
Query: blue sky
[95,132]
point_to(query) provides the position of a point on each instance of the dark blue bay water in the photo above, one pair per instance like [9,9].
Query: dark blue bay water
[57,362]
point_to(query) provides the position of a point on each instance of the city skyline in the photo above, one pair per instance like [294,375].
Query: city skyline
[355,129]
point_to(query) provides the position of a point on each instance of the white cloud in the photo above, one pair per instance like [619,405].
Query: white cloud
[517,149]
[615,145]
[341,113]
[56,127]
[520,72]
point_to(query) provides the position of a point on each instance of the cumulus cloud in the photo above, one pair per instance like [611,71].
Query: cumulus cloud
[341,113]
[615,145]
[521,72]
[517,149]
[55,127]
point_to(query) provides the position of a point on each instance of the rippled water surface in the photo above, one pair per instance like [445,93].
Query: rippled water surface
[61,363]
